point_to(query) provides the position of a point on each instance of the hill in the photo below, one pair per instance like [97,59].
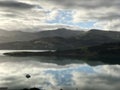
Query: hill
[61,39]
[13,36]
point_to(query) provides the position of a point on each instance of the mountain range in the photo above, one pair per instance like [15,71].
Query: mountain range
[13,36]
[56,39]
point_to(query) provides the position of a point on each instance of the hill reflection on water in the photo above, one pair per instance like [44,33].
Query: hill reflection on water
[52,73]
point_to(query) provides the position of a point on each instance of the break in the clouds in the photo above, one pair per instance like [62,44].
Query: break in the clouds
[78,14]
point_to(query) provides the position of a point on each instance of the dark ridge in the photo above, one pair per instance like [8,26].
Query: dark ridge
[31,89]
[108,53]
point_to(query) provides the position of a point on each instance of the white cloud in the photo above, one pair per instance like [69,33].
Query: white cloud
[31,14]
[52,14]
[109,25]
[106,18]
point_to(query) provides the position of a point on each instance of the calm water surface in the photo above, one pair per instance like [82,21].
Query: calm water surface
[53,73]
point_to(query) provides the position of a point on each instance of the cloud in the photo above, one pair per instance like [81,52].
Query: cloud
[52,14]
[15,5]
[91,10]
[34,13]
[107,20]
[109,25]
[78,4]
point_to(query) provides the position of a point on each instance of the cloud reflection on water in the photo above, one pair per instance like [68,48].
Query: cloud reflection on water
[53,77]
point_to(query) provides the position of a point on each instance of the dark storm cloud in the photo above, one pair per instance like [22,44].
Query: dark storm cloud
[15,5]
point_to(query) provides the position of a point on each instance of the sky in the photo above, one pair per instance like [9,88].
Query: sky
[33,15]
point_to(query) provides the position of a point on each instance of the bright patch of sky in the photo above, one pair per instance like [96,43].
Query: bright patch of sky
[66,17]
[63,17]
[87,25]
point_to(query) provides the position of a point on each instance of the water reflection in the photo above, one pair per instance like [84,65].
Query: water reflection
[51,74]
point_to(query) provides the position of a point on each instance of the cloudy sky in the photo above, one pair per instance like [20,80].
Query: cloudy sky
[52,14]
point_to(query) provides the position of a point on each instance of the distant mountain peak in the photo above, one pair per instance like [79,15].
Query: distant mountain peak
[62,29]
[95,30]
